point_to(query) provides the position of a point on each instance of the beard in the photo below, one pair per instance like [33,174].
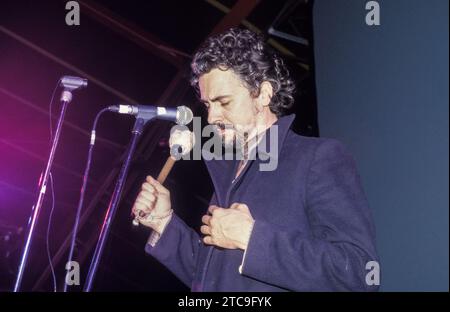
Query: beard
[227,134]
[230,136]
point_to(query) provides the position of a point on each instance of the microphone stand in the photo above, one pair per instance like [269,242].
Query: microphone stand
[141,120]
[66,98]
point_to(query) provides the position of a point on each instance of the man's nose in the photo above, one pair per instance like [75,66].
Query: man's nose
[214,114]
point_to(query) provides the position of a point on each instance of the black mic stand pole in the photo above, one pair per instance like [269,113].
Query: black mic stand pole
[141,120]
[66,97]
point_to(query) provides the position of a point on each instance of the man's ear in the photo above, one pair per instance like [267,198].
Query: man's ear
[265,94]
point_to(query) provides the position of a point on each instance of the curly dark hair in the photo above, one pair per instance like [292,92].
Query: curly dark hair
[246,53]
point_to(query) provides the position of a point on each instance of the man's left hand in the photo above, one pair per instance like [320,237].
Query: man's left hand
[228,228]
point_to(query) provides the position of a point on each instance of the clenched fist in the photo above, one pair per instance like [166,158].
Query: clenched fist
[152,207]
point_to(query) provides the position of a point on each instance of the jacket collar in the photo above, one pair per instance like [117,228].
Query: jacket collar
[222,171]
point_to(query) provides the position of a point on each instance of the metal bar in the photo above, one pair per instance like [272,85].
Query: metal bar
[65,99]
[67,65]
[66,123]
[274,43]
[236,15]
[133,32]
[36,156]
[113,205]
[287,36]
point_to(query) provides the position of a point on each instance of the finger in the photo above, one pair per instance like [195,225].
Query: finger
[138,206]
[242,207]
[158,186]
[208,240]
[143,205]
[234,206]
[144,201]
[212,208]
[148,187]
[136,211]
[205,230]
[148,196]
[206,219]
[134,208]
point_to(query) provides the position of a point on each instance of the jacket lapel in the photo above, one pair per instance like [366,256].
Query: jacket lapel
[222,171]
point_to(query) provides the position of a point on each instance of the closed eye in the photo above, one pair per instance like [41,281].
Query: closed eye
[224,100]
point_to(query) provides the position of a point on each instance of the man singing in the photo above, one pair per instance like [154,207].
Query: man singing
[303,226]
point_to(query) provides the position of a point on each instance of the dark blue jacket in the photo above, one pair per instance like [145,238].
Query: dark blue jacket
[313,229]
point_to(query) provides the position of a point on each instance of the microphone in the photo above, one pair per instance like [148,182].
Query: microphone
[182,115]
[72,83]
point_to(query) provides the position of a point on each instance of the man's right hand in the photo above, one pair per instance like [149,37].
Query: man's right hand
[154,201]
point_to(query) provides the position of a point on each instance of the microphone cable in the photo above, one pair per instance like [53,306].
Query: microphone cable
[47,244]
[83,189]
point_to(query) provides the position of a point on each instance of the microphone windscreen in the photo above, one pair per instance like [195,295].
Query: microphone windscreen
[184,115]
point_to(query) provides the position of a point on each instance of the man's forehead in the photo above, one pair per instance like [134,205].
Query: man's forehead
[217,83]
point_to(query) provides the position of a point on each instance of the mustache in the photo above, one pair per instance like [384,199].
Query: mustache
[223,126]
